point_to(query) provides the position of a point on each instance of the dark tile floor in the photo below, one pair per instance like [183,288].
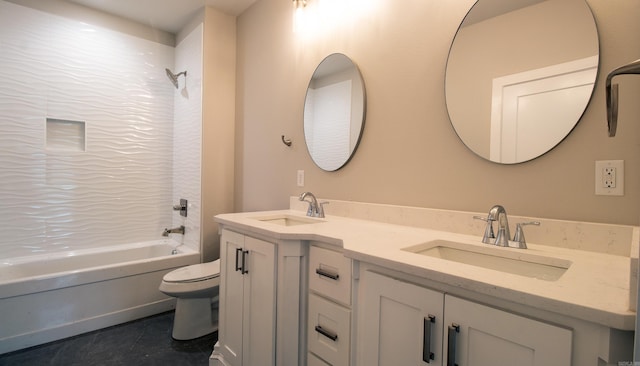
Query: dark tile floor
[141,342]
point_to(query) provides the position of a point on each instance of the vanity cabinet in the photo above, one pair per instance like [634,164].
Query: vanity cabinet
[247,301]
[405,324]
[482,335]
[329,312]
[262,308]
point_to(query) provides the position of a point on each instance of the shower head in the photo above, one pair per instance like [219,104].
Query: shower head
[612,93]
[174,77]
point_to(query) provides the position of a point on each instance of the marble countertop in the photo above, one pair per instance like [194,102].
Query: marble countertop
[595,288]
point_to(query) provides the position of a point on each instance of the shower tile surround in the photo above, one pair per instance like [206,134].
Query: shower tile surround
[109,174]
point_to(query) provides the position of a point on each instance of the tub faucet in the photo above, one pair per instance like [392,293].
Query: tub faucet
[177,230]
[315,209]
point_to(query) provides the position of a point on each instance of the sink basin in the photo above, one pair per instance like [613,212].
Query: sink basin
[508,260]
[288,220]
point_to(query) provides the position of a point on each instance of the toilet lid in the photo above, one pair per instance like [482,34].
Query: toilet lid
[194,272]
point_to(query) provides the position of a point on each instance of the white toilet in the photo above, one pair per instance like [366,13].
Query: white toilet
[194,286]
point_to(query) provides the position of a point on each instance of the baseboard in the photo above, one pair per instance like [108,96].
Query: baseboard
[76,327]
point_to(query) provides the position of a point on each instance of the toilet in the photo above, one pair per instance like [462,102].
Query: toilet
[194,287]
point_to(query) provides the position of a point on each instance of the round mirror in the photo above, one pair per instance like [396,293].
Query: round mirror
[519,76]
[334,112]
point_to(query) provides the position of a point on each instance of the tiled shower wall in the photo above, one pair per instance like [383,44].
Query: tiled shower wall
[187,135]
[86,135]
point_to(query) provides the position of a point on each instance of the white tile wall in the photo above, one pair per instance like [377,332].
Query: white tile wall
[118,190]
[187,132]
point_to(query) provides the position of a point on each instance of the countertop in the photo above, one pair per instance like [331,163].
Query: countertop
[595,288]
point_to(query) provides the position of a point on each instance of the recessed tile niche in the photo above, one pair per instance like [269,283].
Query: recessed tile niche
[65,135]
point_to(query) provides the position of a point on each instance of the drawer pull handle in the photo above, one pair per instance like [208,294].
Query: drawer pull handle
[326,333]
[325,273]
[427,355]
[245,253]
[454,329]
[238,251]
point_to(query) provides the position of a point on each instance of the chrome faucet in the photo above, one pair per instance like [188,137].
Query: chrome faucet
[177,230]
[315,209]
[499,214]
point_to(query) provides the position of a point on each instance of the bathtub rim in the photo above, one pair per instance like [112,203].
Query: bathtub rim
[102,249]
[61,279]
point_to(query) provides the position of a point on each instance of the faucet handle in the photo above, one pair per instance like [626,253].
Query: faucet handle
[488,231]
[320,211]
[519,235]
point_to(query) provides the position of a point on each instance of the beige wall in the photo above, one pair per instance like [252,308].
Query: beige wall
[409,153]
[218,131]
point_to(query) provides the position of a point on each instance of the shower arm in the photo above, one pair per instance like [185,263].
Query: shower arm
[174,77]
[612,94]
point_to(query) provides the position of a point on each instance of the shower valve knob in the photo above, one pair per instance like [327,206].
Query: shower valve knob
[182,207]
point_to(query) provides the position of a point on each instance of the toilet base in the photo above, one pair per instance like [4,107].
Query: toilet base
[194,318]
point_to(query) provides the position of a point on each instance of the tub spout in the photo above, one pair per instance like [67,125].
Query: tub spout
[177,230]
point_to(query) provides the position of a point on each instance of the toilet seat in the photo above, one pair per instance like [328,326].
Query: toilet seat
[194,273]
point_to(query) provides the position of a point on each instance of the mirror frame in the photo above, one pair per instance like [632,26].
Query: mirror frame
[322,69]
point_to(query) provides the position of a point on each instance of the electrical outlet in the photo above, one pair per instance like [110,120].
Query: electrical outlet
[300,178]
[610,177]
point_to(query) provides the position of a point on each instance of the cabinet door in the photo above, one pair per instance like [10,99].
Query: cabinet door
[259,325]
[395,325]
[230,322]
[486,336]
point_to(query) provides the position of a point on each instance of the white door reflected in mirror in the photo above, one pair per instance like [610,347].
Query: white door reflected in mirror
[525,119]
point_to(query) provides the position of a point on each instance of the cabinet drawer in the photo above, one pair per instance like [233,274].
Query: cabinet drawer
[329,330]
[330,274]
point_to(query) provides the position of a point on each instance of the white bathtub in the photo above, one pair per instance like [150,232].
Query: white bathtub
[45,298]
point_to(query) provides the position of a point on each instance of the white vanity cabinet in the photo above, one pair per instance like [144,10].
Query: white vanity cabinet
[261,311]
[484,336]
[247,301]
[399,323]
[405,324]
[329,315]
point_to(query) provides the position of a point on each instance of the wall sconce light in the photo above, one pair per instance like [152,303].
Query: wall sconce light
[299,4]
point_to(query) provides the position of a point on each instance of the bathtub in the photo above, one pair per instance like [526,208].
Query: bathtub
[48,297]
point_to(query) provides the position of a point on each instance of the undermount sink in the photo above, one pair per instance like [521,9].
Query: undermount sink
[288,220]
[508,260]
